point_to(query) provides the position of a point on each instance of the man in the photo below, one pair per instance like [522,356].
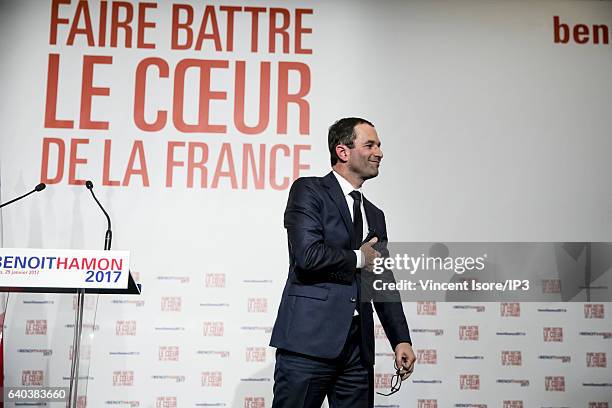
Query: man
[324,332]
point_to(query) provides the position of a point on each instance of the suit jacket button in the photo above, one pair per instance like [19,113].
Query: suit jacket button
[353,300]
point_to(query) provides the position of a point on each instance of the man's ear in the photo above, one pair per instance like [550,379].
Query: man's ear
[342,151]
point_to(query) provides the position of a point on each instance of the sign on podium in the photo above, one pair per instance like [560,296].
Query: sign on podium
[66,270]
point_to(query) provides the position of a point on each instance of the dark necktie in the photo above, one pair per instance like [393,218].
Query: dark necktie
[358,233]
[357,219]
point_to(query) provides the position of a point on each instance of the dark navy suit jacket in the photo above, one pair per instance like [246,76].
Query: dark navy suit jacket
[320,295]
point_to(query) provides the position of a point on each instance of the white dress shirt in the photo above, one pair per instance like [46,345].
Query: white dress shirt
[347,188]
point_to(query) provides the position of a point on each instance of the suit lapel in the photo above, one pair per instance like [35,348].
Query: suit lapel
[335,192]
[370,215]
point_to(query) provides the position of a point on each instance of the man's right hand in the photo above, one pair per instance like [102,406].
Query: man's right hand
[369,254]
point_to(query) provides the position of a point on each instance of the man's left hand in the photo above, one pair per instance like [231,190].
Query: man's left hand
[404,358]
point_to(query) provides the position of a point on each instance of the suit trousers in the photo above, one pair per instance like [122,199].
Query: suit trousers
[302,381]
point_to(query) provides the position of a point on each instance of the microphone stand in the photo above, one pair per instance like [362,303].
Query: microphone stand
[78,327]
[109,233]
[39,187]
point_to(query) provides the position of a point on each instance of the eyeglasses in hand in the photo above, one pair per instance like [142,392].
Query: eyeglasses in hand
[396,382]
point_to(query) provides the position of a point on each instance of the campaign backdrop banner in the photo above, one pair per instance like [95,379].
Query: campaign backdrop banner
[192,119]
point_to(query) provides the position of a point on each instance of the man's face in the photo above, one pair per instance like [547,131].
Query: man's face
[364,159]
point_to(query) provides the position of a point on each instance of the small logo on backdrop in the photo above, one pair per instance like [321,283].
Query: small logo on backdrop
[123,378]
[123,353]
[551,285]
[168,353]
[125,328]
[469,382]
[44,352]
[436,332]
[477,308]
[122,403]
[521,382]
[510,333]
[427,308]
[551,310]
[169,328]
[37,302]
[171,304]
[429,356]
[35,327]
[554,383]
[473,357]
[513,404]
[265,329]
[256,379]
[434,381]
[214,304]
[257,305]
[212,379]
[255,354]
[553,334]
[214,280]
[605,335]
[596,360]
[468,333]
[218,353]
[176,378]
[254,402]
[137,303]
[427,403]
[165,402]
[382,380]
[512,309]
[213,329]
[32,377]
[594,311]
[563,359]
[594,404]
[511,358]
[179,279]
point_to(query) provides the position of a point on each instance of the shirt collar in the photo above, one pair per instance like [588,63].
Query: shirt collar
[344,184]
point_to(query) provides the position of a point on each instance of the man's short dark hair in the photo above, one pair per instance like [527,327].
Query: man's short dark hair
[343,132]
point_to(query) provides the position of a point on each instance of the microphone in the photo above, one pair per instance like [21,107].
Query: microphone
[39,187]
[109,234]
